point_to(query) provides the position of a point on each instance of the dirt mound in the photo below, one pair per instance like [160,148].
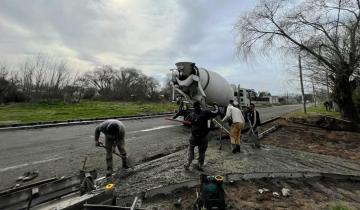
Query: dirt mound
[327,122]
[341,144]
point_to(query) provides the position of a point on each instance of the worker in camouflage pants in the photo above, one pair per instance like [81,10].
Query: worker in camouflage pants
[114,132]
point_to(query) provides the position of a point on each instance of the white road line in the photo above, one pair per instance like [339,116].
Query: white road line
[28,164]
[155,128]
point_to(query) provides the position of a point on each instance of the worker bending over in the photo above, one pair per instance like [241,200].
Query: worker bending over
[238,123]
[114,132]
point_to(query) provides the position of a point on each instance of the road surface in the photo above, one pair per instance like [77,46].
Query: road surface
[60,151]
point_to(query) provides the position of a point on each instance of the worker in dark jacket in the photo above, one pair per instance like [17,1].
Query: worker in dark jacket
[253,118]
[114,132]
[199,129]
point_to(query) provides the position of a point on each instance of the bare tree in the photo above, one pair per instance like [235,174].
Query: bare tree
[167,89]
[102,79]
[131,83]
[127,84]
[122,84]
[44,77]
[325,31]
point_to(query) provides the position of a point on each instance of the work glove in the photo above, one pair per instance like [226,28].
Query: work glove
[97,143]
[216,108]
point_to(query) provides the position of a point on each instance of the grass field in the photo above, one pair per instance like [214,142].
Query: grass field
[313,111]
[40,112]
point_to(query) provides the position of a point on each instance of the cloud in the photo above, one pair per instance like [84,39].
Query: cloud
[149,35]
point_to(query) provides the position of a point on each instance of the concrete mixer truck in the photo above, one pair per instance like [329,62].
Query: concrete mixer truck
[199,84]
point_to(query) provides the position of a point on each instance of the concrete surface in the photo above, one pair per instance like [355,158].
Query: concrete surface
[170,170]
[60,151]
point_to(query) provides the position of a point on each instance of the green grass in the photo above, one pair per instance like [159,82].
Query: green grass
[339,206]
[314,111]
[40,112]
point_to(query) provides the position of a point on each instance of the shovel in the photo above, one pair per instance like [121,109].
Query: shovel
[221,129]
[254,137]
[129,162]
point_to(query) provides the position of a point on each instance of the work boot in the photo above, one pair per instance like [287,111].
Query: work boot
[125,164]
[200,167]
[109,171]
[186,166]
[234,149]
[238,148]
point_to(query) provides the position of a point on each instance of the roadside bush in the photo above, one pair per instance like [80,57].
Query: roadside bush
[14,95]
[89,93]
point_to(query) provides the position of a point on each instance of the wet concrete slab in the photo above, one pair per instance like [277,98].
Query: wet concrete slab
[169,170]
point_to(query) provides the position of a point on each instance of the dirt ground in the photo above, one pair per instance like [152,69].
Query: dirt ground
[304,194]
[316,140]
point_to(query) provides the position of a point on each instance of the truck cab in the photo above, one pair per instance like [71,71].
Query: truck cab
[241,96]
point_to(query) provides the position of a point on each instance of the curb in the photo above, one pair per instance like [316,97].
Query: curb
[77,122]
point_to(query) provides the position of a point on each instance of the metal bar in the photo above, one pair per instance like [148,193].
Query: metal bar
[134,203]
[27,186]
[272,129]
[45,192]
[100,207]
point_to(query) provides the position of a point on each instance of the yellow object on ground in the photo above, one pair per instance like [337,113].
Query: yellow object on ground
[109,186]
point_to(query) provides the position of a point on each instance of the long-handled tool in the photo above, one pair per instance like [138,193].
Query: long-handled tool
[221,126]
[221,129]
[113,151]
[129,161]
[253,136]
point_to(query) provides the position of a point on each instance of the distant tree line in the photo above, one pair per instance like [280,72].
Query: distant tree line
[42,78]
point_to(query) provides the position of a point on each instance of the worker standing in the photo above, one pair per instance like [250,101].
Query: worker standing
[253,117]
[114,132]
[199,130]
[238,123]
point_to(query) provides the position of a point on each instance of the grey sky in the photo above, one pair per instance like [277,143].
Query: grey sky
[150,35]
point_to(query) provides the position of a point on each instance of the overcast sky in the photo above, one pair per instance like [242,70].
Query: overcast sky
[151,35]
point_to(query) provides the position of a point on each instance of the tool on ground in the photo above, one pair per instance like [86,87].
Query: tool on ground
[27,176]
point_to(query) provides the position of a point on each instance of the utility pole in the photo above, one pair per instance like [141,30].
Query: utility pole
[302,86]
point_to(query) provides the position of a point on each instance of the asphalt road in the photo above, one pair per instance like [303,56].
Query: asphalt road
[60,151]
